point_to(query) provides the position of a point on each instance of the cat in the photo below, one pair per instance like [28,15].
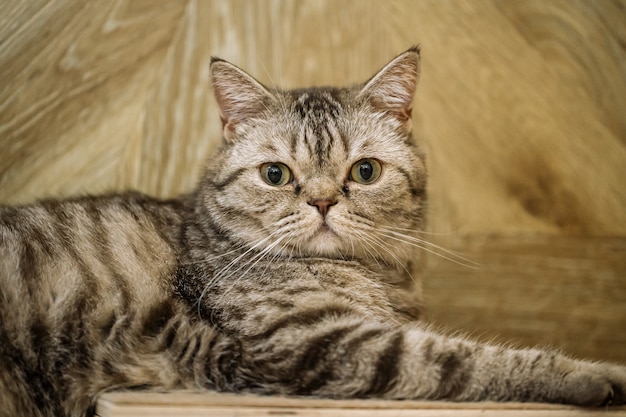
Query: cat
[285,272]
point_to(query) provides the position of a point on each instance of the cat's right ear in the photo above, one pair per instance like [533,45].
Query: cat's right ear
[391,90]
[239,96]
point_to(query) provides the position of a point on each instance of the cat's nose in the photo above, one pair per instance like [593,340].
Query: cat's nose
[323,205]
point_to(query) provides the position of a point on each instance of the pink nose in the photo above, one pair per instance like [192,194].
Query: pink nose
[322,205]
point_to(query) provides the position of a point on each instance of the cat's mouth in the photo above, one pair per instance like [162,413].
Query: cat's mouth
[325,240]
[325,228]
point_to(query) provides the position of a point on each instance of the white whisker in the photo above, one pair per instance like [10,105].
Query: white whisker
[228,271]
[373,240]
[428,247]
[420,232]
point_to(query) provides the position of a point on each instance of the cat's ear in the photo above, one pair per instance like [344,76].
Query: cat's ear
[238,95]
[392,88]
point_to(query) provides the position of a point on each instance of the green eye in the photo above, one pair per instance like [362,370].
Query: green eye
[275,173]
[366,171]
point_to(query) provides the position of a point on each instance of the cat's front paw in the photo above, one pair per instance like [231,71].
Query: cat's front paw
[595,385]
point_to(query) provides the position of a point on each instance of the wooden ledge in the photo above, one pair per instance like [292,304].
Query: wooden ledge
[210,404]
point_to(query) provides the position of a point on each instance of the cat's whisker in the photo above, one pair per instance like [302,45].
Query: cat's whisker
[213,257]
[424,245]
[419,240]
[367,236]
[452,254]
[254,259]
[219,274]
[226,271]
[419,232]
[262,255]
[367,246]
[279,231]
[250,264]
[373,240]
[236,249]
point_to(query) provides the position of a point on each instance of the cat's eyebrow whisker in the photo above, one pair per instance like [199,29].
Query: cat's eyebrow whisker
[269,75]
[423,245]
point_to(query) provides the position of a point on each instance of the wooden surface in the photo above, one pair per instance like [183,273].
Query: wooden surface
[561,292]
[210,404]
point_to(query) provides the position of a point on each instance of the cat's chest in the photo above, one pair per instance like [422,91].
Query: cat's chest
[299,278]
[287,289]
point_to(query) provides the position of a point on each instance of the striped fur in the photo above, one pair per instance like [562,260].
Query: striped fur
[244,286]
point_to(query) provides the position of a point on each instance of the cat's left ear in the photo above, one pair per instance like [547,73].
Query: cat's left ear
[392,88]
[239,96]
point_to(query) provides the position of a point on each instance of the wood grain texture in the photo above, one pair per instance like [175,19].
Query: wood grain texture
[130,404]
[560,292]
[520,107]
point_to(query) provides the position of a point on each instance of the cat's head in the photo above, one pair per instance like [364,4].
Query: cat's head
[318,172]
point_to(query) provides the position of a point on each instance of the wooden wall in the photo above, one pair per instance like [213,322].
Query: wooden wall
[521,106]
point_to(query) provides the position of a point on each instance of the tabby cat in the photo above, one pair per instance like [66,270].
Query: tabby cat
[284,272]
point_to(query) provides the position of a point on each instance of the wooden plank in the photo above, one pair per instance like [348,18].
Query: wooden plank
[131,404]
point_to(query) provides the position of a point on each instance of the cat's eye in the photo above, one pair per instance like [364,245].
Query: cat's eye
[366,171]
[275,173]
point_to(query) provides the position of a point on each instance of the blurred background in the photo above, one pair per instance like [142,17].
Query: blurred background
[521,109]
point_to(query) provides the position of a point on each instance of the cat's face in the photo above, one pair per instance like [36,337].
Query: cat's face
[319,172]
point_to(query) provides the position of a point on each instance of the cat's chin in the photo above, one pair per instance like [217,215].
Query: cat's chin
[325,242]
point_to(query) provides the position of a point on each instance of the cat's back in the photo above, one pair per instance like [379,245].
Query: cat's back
[54,245]
[89,258]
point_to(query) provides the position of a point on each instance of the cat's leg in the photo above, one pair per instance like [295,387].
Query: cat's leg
[344,357]
[466,370]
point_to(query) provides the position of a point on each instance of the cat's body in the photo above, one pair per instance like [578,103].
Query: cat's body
[284,272]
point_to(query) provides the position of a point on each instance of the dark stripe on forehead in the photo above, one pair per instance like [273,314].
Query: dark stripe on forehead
[324,143]
[318,109]
[316,106]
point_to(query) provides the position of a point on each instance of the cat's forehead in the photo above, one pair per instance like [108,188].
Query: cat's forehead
[318,119]
[318,105]
[321,129]
[334,124]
